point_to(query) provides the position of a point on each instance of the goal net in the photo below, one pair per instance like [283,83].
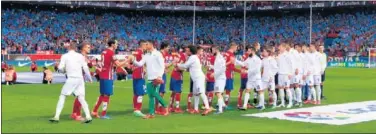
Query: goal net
[372,58]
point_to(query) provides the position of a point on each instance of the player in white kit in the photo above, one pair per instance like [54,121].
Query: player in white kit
[73,63]
[253,65]
[285,73]
[269,70]
[298,80]
[314,79]
[198,77]
[219,77]
[307,74]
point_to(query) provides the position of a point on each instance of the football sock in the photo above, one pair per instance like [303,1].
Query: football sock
[313,93]
[77,107]
[189,103]
[99,102]
[255,96]
[172,98]
[227,97]
[298,94]
[261,99]
[196,102]
[322,90]
[210,98]
[84,106]
[220,104]
[139,103]
[205,100]
[282,96]
[134,103]
[177,100]
[318,92]
[106,100]
[59,107]
[289,95]
[274,98]
[293,94]
[246,98]
[240,95]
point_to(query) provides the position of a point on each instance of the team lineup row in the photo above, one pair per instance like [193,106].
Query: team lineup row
[293,68]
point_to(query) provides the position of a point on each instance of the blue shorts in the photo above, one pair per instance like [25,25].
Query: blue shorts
[243,83]
[106,87]
[139,87]
[176,85]
[191,86]
[162,88]
[229,84]
[209,86]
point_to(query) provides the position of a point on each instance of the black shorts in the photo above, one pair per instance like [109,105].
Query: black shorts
[45,81]
[323,77]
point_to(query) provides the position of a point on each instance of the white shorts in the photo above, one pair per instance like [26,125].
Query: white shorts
[74,86]
[254,85]
[268,85]
[219,85]
[317,80]
[309,80]
[283,80]
[296,79]
[198,86]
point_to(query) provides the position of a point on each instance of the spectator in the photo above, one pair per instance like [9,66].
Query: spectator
[4,66]
[34,67]
[47,76]
[10,76]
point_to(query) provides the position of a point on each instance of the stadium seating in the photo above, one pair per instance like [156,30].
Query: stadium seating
[25,30]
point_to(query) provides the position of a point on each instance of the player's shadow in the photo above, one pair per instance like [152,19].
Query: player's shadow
[121,113]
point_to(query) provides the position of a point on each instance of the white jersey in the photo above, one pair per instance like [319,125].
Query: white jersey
[194,66]
[254,67]
[323,60]
[219,67]
[315,59]
[155,64]
[285,64]
[304,63]
[73,63]
[293,56]
[298,61]
[270,69]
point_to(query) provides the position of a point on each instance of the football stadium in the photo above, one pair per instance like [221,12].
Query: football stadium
[188,66]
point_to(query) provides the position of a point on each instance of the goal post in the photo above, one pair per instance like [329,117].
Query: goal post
[372,58]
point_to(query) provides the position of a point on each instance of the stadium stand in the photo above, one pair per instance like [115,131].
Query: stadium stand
[26,30]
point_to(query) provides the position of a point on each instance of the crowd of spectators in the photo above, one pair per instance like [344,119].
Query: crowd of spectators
[26,30]
[218,3]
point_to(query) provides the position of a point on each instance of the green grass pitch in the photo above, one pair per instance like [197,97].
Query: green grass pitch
[27,108]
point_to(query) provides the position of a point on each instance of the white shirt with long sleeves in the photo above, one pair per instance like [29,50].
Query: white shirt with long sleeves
[317,67]
[305,67]
[155,65]
[323,60]
[297,61]
[72,63]
[219,67]
[194,65]
[270,68]
[254,67]
[293,56]
[285,65]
